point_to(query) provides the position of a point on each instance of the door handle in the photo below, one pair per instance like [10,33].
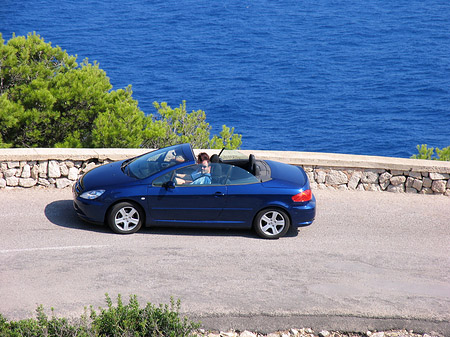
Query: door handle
[219,194]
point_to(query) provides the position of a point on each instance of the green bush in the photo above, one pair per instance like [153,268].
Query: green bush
[121,320]
[47,99]
[428,153]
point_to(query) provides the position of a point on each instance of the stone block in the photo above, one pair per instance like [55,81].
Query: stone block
[439,176]
[398,180]
[354,180]
[426,190]
[73,173]
[417,184]
[26,171]
[396,188]
[13,164]
[336,178]
[27,182]
[427,182]
[411,190]
[54,170]
[12,181]
[63,182]
[369,177]
[416,175]
[439,186]
[2,183]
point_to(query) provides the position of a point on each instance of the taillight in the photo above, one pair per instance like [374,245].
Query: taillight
[302,196]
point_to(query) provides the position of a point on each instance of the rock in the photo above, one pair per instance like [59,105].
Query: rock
[354,180]
[426,190]
[439,176]
[439,186]
[427,182]
[409,182]
[43,182]
[336,178]
[369,177]
[324,333]
[247,334]
[88,167]
[73,173]
[2,183]
[26,171]
[35,172]
[13,164]
[320,177]
[53,169]
[377,334]
[63,182]
[397,180]
[411,190]
[417,184]
[385,180]
[43,166]
[10,173]
[12,181]
[396,188]
[27,182]
[416,175]
[64,170]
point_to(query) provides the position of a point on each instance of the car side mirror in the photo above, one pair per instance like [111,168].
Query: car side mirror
[169,184]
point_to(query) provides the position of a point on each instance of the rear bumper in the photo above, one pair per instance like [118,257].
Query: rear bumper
[304,214]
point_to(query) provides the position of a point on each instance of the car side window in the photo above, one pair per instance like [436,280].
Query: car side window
[158,182]
[239,176]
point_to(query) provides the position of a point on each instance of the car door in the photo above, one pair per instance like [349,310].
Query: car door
[184,204]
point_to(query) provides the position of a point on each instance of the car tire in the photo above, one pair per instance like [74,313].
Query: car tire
[125,218]
[271,223]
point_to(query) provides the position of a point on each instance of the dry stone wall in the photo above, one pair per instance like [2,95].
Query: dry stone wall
[44,173]
[60,168]
[63,173]
[378,180]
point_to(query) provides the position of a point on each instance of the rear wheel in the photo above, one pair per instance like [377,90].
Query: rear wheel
[271,223]
[125,218]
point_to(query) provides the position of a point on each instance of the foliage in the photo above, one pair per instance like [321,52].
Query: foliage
[175,126]
[48,100]
[121,320]
[428,153]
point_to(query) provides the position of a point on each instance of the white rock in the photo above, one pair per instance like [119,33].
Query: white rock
[336,178]
[416,175]
[89,167]
[27,182]
[73,173]
[427,182]
[398,180]
[12,181]
[369,177]
[64,170]
[43,167]
[439,176]
[10,173]
[354,180]
[2,183]
[417,184]
[320,177]
[26,171]
[63,182]
[13,164]
[324,333]
[396,188]
[247,334]
[439,186]
[53,169]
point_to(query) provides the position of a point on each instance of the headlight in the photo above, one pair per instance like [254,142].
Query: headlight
[92,194]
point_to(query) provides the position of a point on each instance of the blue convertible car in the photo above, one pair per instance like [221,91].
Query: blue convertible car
[160,189]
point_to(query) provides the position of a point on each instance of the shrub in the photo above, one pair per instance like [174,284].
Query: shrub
[121,320]
[428,153]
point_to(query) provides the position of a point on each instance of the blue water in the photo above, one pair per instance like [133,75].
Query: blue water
[363,77]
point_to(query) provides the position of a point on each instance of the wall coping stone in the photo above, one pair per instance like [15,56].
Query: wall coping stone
[289,157]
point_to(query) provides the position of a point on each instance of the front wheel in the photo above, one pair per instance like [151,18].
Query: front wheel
[271,223]
[125,218]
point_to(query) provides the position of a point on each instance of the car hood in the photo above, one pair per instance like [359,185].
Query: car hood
[104,176]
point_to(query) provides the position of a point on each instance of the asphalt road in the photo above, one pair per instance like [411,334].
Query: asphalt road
[371,260]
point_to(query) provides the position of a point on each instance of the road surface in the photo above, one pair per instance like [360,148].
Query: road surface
[371,260]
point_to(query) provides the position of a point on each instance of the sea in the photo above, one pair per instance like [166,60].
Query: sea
[357,77]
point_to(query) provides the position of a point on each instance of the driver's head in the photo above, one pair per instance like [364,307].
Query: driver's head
[206,168]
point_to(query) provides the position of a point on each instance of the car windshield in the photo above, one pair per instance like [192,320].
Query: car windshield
[153,162]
